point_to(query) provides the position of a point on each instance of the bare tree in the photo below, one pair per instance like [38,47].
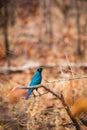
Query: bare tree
[12,8]
[6,30]
[77,4]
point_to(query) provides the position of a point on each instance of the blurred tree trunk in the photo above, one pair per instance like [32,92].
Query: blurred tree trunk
[12,12]
[77,2]
[6,30]
[48,20]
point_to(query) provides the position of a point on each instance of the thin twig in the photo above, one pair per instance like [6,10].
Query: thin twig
[41,94]
[62,73]
[69,64]
[67,79]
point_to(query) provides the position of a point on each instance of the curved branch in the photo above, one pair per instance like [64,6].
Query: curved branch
[61,98]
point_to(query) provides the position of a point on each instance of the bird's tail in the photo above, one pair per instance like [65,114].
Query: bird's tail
[28,95]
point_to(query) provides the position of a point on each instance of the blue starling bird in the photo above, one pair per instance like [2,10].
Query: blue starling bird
[37,78]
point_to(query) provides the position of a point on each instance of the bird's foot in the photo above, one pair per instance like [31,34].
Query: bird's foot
[34,95]
[38,92]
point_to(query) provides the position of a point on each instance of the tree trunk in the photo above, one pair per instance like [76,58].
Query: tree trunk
[48,21]
[79,52]
[6,42]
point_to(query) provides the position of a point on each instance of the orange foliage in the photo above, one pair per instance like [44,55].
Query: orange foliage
[71,92]
[79,106]
[15,94]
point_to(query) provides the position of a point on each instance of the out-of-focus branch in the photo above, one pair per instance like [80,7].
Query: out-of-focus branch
[34,65]
[67,79]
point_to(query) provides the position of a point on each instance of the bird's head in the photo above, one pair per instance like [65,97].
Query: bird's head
[40,69]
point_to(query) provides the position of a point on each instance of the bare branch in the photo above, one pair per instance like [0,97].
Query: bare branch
[35,86]
[61,98]
[67,79]
[40,85]
[34,65]
[12,69]
[47,88]
[41,94]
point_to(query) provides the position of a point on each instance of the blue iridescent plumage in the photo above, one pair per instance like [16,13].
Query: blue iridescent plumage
[37,78]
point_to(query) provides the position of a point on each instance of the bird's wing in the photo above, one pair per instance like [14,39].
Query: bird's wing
[35,80]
